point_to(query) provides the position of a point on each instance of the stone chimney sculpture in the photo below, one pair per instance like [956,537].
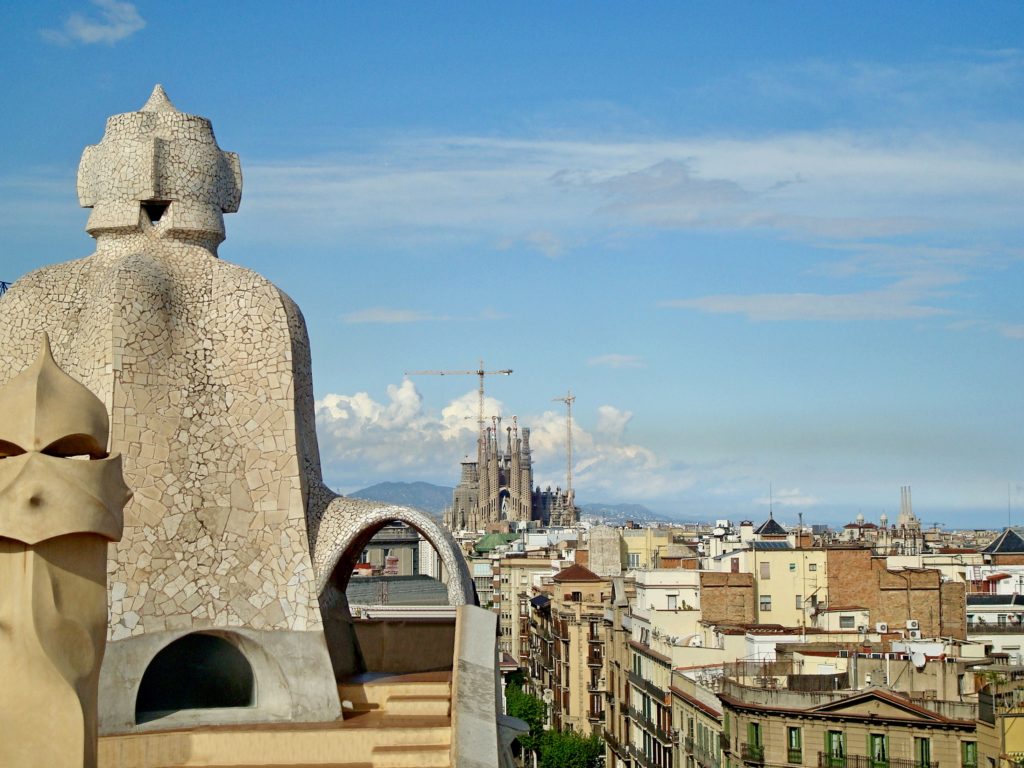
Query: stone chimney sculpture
[56,516]
[232,542]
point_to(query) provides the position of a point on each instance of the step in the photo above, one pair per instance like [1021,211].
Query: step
[352,741]
[412,756]
[377,689]
[418,705]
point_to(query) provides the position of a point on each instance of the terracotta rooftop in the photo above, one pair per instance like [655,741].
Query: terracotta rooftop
[576,573]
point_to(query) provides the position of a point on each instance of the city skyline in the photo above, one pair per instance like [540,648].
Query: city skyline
[764,246]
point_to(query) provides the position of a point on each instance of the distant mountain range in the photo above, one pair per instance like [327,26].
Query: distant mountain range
[430,498]
[619,513]
[434,498]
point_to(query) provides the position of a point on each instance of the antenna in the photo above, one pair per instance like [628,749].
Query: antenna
[568,400]
[478,372]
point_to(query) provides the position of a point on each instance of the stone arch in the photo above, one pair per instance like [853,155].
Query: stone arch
[347,527]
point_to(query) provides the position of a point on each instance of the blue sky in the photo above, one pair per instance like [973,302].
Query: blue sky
[764,244]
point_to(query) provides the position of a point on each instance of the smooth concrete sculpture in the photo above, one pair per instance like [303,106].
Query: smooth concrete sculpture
[56,517]
[205,369]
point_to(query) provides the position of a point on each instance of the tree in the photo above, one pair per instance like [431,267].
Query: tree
[530,710]
[566,749]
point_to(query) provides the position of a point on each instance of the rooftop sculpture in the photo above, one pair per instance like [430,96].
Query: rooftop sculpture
[233,551]
[56,517]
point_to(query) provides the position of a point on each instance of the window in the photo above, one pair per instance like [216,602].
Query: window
[835,749]
[671,602]
[799,602]
[792,567]
[878,750]
[633,560]
[847,622]
[794,752]
[812,566]
[734,564]
[969,754]
[766,571]
[765,603]
[922,752]
[753,750]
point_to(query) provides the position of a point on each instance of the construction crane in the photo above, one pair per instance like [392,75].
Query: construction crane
[568,400]
[480,372]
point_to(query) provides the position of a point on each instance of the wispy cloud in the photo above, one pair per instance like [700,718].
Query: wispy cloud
[388,316]
[902,300]
[112,21]
[561,196]
[788,497]
[613,360]
[398,316]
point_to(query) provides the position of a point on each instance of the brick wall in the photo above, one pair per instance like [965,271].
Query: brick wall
[727,598]
[855,578]
[954,609]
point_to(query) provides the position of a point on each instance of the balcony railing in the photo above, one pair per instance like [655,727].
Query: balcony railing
[794,755]
[827,760]
[752,753]
[979,628]
[594,661]
[703,757]
[595,717]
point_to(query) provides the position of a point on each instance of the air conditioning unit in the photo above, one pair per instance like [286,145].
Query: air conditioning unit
[914,634]
[862,628]
[913,624]
[881,628]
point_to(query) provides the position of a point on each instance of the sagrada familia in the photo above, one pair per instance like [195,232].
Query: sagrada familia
[225,590]
[498,487]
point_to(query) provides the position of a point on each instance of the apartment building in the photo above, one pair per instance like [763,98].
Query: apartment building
[567,648]
[517,575]
[775,714]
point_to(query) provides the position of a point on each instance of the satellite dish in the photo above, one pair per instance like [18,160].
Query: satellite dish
[918,658]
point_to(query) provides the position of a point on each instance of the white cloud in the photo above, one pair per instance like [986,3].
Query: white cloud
[614,360]
[114,21]
[611,422]
[398,439]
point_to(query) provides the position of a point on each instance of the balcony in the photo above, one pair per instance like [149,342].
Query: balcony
[794,756]
[754,753]
[826,760]
[614,743]
[594,661]
[595,717]
[640,759]
[646,685]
